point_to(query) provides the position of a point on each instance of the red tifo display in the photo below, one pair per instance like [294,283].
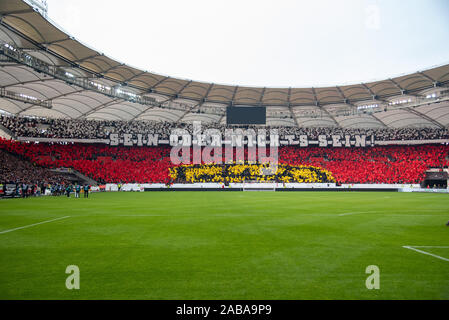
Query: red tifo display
[106,164]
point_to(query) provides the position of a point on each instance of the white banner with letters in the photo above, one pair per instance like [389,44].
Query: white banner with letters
[323,141]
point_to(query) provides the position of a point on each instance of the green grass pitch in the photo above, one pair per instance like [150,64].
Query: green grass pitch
[226,245]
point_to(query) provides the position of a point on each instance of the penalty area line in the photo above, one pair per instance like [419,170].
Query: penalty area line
[32,225]
[425,252]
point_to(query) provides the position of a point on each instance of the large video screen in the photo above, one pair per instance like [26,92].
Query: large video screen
[246,115]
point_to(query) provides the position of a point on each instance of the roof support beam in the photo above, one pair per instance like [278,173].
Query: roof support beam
[29,82]
[175,96]
[19,97]
[150,89]
[346,101]
[289,95]
[371,92]
[403,90]
[135,76]
[8,13]
[102,106]
[88,58]
[152,107]
[179,92]
[323,109]
[57,41]
[293,115]
[206,95]
[354,107]
[342,95]
[9,64]
[315,98]
[112,68]
[422,115]
[434,82]
[378,120]
[233,95]
[188,111]
[51,100]
[375,97]
[261,96]
[199,105]
[221,118]
[330,115]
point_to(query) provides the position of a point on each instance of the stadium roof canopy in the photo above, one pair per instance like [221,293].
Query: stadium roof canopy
[46,72]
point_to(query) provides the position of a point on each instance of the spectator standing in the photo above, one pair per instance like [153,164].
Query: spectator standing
[24,190]
[77,191]
[68,190]
[86,191]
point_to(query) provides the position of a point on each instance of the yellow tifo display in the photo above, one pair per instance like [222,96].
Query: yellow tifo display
[237,173]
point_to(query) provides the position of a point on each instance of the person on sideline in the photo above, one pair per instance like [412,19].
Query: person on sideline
[68,190]
[77,191]
[86,191]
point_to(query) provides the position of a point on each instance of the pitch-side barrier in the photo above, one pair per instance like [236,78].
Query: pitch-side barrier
[278,187]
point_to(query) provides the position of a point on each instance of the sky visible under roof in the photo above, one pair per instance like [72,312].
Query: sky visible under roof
[264,43]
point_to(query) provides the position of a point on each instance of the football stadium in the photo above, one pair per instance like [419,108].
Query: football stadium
[120,183]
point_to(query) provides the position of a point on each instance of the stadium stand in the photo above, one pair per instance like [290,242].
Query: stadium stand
[99,162]
[396,164]
[94,129]
[53,87]
[15,169]
[238,173]
[392,164]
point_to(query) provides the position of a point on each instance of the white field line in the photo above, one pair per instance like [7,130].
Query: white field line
[436,247]
[259,215]
[223,215]
[32,225]
[393,214]
[427,253]
[419,215]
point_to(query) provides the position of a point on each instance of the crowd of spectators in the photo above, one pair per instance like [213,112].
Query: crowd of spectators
[96,129]
[389,164]
[97,161]
[245,172]
[107,164]
[13,169]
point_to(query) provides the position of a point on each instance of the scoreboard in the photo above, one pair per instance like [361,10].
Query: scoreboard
[246,115]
